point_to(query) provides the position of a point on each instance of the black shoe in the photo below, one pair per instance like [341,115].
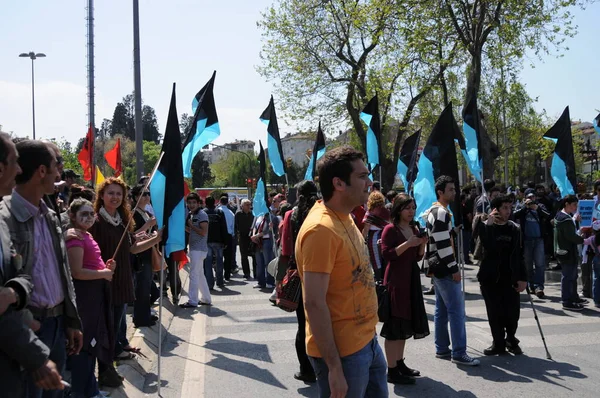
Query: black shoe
[153,317]
[572,307]
[395,377]
[494,350]
[145,324]
[513,347]
[110,378]
[430,292]
[581,301]
[405,370]
[305,377]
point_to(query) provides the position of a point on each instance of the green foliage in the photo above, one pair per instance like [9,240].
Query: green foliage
[123,121]
[234,169]
[201,172]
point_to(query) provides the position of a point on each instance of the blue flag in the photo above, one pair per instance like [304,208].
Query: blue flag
[563,161]
[472,130]
[167,185]
[438,159]
[318,151]
[370,115]
[204,128]
[597,124]
[407,161]
[260,205]
[269,118]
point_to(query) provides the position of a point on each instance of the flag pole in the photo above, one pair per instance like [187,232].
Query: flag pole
[137,203]
[160,308]
[287,191]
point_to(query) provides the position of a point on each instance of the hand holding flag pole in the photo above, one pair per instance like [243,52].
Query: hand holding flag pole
[146,185]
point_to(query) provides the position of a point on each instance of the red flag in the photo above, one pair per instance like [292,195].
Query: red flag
[113,157]
[86,155]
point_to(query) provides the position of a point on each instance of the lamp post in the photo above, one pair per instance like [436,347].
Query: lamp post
[33,56]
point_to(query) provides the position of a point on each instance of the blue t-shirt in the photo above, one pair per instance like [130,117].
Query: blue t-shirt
[198,242]
[532,225]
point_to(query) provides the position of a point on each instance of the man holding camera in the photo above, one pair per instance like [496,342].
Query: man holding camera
[533,218]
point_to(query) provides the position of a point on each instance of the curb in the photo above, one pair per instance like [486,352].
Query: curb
[140,377]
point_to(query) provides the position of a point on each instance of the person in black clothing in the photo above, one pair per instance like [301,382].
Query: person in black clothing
[533,218]
[502,275]
[217,239]
[243,224]
[145,295]
[467,215]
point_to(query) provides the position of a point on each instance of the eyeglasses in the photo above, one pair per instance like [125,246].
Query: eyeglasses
[146,194]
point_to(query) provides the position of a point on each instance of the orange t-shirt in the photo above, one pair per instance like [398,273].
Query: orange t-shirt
[329,242]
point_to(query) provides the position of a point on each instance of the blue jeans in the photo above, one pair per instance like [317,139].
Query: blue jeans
[533,252]
[141,306]
[568,283]
[120,325]
[365,373]
[596,281]
[83,378]
[263,258]
[51,333]
[467,244]
[449,306]
[214,250]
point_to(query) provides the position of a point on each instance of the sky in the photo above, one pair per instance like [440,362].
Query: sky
[183,41]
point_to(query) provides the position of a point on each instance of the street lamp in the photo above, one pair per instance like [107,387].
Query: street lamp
[33,56]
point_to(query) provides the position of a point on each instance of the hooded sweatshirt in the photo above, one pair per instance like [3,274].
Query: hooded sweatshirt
[566,238]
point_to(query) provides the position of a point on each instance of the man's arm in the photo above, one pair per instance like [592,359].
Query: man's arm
[316,285]
[440,234]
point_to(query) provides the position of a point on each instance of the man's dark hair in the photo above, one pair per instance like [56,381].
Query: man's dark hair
[336,163]
[193,196]
[567,200]
[137,190]
[78,191]
[32,155]
[494,189]
[376,186]
[225,194]
[272,194]
[224,200]
[540,186]
[596,185]
[498,201]
[210,202]
[4,142]
[391,195]
[488,184]
[440,184]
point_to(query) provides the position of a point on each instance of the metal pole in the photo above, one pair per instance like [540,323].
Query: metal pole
[139,146]
[160,307]
[91,94]
[528,293]
[33,96]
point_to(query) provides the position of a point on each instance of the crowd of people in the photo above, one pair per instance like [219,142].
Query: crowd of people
[73,260]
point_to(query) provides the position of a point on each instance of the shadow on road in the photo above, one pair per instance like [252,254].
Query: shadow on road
[240,348]
[525,369]
[310,390]
[427,387]
[245,369]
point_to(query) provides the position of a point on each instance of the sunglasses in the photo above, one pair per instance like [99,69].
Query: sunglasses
[146,194]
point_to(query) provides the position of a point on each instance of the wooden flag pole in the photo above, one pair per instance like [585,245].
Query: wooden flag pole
[137,203]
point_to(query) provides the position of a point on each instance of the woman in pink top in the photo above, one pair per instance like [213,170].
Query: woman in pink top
[91,278]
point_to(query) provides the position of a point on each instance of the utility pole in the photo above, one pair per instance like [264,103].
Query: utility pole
[91,94]
[137,80]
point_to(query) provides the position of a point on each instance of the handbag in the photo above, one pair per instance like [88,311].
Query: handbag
[288,292]
[158,262]
[384,309]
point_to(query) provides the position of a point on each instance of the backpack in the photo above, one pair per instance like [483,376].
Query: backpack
[216,229]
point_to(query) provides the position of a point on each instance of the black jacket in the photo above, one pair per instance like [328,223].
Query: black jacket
[217,226]
[491,265]
[243,224]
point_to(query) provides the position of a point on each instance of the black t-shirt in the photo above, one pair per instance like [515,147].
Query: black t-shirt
[504,244]
[146,256]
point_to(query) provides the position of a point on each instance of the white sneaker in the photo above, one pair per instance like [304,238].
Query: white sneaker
[273,297]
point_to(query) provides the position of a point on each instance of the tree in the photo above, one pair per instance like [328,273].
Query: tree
[329,58]
[150,125]
[234,169]
[510,27]
[184,122]
[201,172]
[121,123]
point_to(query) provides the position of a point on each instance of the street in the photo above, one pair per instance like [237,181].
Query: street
[243,346]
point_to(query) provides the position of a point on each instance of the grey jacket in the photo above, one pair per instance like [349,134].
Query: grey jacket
[19,346]
[20,225]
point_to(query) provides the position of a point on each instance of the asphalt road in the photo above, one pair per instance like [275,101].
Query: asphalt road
[243,346]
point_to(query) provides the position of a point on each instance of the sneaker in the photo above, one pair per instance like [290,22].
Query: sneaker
[513,348]
[494,350]
[597,305]
[540,293]
[466,361]
[259,286]
[270,286]
[581,301]
[572,307]
[235,270]
[273,297]
[188,305]
[443,355]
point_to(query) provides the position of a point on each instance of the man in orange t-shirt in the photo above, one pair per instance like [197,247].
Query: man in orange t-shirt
[338,285]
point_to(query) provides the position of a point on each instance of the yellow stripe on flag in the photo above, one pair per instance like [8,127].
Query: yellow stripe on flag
[99,176]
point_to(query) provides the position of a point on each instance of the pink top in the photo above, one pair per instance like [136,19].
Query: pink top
[92,258]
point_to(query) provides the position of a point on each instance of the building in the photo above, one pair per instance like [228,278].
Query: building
[218,153]
[297,147]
